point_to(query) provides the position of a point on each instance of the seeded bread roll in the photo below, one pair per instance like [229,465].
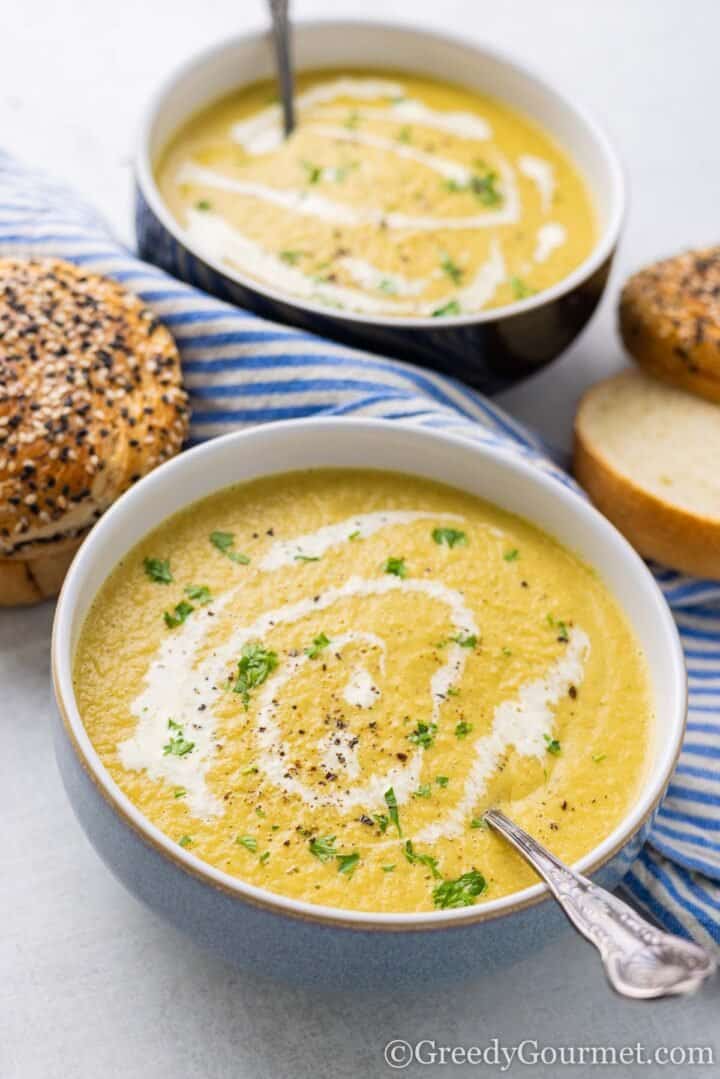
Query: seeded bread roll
[647,454]
[90,400]
[670,320]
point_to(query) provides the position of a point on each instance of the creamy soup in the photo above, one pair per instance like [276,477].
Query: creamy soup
[318,682]
[395,195]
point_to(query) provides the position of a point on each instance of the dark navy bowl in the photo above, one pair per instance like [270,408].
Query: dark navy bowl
[489,349]
[296,940]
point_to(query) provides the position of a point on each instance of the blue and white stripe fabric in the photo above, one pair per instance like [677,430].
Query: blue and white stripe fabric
[243,370]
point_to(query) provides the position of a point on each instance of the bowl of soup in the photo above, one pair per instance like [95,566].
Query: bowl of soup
[296,665]
[436,201]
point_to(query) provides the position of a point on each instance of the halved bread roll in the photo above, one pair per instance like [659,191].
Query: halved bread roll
[648,455]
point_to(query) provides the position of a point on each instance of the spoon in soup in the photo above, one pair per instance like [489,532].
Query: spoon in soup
[640,961]
[283,61]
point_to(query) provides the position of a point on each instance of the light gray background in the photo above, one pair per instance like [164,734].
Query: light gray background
[91,984]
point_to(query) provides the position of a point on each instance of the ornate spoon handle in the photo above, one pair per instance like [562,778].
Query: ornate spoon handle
[281,41]
[640,960]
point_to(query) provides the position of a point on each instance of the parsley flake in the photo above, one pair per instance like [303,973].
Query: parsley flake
[512,555]
[449,537]
[200,593]
[158,570]
[552,745]
[461,892]
[450,308]
[178,745]
[421,859]
[597,757]
[442,781]
[178,615]
[323,847]
[254,667]
[247,841]
[465,640]
[306,558]
[347,863]
[224,542]
[462,729]
[423,735]
[319,643]
[391,803]
[203,204]
[521,291]
[451,268]
[423,791]
[185,841]
[395,566]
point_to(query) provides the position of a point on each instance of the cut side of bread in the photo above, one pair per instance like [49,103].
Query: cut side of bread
[648,455]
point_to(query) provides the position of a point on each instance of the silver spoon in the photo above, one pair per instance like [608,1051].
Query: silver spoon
[283,60]
[640,961]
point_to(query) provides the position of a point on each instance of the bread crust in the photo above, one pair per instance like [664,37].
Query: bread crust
[669,320]
[668,534]
[91,400]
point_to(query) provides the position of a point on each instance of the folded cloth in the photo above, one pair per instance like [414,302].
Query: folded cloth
[242,370]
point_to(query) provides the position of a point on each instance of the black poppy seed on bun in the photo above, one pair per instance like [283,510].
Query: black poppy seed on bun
[91,399]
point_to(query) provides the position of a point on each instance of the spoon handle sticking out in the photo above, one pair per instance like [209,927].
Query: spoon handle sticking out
[640,961]
[283,60]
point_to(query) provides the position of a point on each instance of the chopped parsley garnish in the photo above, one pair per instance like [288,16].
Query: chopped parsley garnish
[178,615]
[450,308]
[203,204]
[521,291]
[512,555]
[461,892]
[506,651]
[391,803]
[224,542]
[179,792]
[449,537]
[387,286]
[421,859]
[178,745]
[465,640]
[597,757]
[387,868]
[478,822]
[319,643]
[452,692]
[352,120]
[423,735]
[451,268]
[563,634]
[462,729]
[158,570]
[291,257]
[247,841]
[485,188]
[482,185]
[347,863]
[200,593]
[185,841]
[251,770]
[264,857]
[423,791]
[382,820]
[254,667]
[323,847]
[396,566]
[442,781]
[552,745]
[355,535]
[404,135]
[313,173]
[306,558]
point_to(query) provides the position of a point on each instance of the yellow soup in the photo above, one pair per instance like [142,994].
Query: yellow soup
[395,195]
[318,682]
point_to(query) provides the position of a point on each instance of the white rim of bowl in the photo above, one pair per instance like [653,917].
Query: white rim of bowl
[602,250]
[62,658]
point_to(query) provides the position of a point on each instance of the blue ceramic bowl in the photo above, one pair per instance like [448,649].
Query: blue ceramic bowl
[490,349]
[281,937]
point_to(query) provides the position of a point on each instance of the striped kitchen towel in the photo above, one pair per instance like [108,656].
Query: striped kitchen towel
[243,370]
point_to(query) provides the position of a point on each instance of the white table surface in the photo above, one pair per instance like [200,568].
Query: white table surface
[91,984]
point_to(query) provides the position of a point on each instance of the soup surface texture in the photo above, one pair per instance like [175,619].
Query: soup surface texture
[318,682]
[395,195]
